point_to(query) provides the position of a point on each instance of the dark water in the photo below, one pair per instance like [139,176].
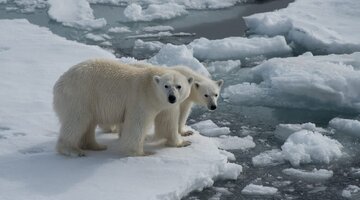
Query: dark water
[259,122]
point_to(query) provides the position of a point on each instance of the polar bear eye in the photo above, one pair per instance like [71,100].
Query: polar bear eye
[206,95]
[178,87]
[216,95]
[166,86]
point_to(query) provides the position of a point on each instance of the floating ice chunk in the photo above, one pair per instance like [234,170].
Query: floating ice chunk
[160,34]
[134,12]
[309,82]
[171,55]
[329,31]
[97,38]
[151,45]
[122,29]
[346,126]
[234,142]
[313,176]
[29,6]
[269,158]
[159,28]
[209,128]
[252,189]
[283,131]
[355,172]
[3,1]
[351,190]
[223,66]
[239,48]
[74,13]
[306,146]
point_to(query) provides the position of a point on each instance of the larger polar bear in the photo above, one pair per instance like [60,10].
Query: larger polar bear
[104,91]
[170,122]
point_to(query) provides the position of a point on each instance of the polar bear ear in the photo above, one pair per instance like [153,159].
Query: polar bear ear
[220,82]
[190,80]
[197,85]
[156,79]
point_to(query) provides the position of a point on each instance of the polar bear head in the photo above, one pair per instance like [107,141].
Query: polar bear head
[173,87]
[207,92]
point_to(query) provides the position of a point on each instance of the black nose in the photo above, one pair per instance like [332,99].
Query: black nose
[172,99]
[212,107]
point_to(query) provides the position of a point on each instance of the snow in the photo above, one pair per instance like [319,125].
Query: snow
[159,28]
[252,189]
[313,176]
[74,13]
[269,158]
[122,29]
[203,4]
[223,66]
[172,55]
[234,142]
[160,34]
[29,6]
[97,37]
[303,146]
[210,129]
[283,131]
[346,126]
[134,12]
[306,146]
[239,48]
[29,128]
[332,30]
[309,82]
[350,190]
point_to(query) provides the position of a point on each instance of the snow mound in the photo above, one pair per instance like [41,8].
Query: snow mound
[252,189]
[306,146]
[309,82]
[239,48]
[122,29]
[74,13]
[329,31]
[209,128]
[172,55]
[223,66]
[283,131]
[313,176]
[269,158]
[351,190]
[346,126]
[159,28]
[134,12]
[27,159]
[234,142]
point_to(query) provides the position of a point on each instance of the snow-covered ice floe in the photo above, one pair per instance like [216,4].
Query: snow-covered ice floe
[223,66]
[351,191]
[303,146]
[346,126]
[253,189]
[309,82]
[209,128]
[239,48]
[234,142]
[30,168]
[134,12]
[172,55]
[323,27]
[312,176]
[74,13]
[283,131]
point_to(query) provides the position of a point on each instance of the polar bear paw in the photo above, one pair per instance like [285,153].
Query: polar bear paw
[186,133]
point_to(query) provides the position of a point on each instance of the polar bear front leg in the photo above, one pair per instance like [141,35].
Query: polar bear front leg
[133,132]
[89,142]
[166,126]
[185,109]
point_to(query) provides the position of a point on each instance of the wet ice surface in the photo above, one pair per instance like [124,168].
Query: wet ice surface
[256,121]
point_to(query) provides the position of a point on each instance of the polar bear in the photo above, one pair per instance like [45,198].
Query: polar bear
[102,91]
[172,121]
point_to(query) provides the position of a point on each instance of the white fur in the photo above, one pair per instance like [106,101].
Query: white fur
[170,122]
[108,92]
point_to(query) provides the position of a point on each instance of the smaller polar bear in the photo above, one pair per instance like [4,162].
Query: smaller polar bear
[171,122]
[109,92]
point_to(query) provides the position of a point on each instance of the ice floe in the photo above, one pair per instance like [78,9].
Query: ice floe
[283,131]
[346,126]
[313,176]
[209,128]
[253,189]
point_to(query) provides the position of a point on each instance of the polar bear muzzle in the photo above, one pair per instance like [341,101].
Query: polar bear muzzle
[171,98]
